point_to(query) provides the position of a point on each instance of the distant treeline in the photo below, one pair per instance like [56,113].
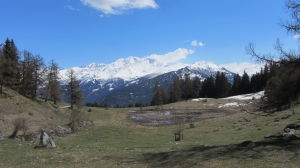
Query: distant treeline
[96,104]
[212,87]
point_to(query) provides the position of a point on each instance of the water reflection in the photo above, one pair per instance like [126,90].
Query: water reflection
[153,121]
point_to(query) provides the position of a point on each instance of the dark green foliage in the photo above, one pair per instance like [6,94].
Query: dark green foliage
[284,87]
[9,65]
[95,104]
[196,87]
[208,87]
[187,87]
[221,86]
[175,90]
[26,75]
[160,96]
[218,87]
[245,84]
[235,89]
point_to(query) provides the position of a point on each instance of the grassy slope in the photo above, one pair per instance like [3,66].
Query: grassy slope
[115,142]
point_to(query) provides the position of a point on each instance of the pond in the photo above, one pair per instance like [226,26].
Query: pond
[155,117]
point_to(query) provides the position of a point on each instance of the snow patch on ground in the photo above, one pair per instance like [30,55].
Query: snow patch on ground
[231,104]
[199,99]
[250,96]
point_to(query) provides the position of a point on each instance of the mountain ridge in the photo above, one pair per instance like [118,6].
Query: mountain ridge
[100,80]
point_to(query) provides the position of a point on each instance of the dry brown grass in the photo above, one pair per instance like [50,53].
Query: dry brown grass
[218,140]
[37,113]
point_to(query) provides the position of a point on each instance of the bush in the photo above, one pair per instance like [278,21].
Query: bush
[19,124]
[75,119]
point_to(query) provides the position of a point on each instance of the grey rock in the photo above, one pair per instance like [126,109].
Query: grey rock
[62,130]
[46,140]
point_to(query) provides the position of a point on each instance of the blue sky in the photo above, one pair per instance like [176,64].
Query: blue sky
[79,32]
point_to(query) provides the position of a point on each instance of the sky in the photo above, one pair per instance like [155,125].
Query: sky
[80,32]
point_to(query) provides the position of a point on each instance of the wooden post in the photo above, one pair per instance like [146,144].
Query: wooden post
[178,136]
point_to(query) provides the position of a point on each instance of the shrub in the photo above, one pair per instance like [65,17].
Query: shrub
[19,124]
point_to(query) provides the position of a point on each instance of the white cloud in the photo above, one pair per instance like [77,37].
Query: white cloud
[297,36]
[119,6]
[196,43]
[239,68]
[170,57]
[71,7]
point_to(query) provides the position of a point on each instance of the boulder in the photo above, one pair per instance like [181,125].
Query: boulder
[287,134]
[45,141]
[292,126]
[59,130]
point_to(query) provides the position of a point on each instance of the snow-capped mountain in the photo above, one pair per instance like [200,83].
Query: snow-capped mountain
[141,91]
[127,69]
[101,80]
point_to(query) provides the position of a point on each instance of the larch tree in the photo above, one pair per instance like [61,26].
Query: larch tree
[73,90]
[52,85]
[32,70]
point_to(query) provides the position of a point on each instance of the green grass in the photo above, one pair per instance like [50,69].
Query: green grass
[115,142]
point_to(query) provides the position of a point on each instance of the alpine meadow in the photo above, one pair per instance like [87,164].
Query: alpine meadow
[152,111]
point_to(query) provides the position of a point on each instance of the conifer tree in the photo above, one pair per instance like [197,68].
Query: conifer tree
[196,87]
[208,86]
[9,61]
[175,90]
[236,84]
[186,89]
[159,96]
[245,84]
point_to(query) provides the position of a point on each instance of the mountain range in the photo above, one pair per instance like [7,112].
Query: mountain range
[130,80]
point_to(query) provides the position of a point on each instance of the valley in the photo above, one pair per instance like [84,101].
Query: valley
[225,135]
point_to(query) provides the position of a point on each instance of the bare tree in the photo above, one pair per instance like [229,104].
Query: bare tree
[283,86]
[32,70]
[53,90]
[73,89]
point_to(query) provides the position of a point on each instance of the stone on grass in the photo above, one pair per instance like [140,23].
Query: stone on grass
[45,141]
[62,130]
[286,134]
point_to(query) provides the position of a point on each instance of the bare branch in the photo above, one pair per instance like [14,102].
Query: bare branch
[250,50]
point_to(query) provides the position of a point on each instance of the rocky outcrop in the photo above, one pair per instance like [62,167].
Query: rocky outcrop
[288,133]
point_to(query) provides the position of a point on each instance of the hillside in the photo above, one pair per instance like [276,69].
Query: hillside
[228,133]
[39,115]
